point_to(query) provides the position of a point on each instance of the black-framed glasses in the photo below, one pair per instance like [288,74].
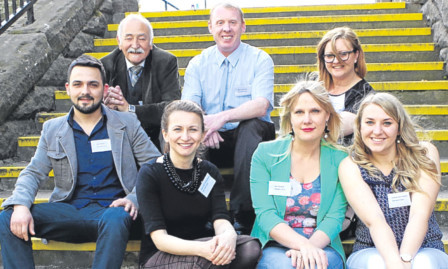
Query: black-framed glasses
[344,55]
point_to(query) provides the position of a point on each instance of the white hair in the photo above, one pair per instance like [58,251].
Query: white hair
[140,18]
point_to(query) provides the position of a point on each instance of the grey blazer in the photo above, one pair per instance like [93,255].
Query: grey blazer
[56,150]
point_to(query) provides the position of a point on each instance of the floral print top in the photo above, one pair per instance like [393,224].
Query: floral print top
[302,206]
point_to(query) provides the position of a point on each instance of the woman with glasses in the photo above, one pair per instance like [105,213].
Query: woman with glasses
[342,68]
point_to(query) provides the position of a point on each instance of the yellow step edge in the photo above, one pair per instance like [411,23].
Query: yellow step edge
[439,135]
[412,47]
[277,35]
[439,85]
[182,13]
[50,115]
[132,246]
[371,67]
[290,20]
[411,109]
[14,171]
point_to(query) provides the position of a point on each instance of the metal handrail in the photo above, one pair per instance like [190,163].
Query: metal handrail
[16,13]
[168,3]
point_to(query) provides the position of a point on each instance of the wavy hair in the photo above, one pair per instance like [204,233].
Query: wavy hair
[331,36]
[411,155]
[139,18]
[320,95]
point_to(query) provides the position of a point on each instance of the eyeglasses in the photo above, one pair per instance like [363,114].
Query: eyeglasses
[344,55]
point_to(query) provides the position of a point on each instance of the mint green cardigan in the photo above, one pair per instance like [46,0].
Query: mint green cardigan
[272,162]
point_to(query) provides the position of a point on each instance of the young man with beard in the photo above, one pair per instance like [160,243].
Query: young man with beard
[94,153]
[144,77]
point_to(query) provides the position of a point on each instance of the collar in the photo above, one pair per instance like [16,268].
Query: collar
[232,58]
[72,111]
[129,64]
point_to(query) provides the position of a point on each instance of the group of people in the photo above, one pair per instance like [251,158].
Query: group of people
[290,194]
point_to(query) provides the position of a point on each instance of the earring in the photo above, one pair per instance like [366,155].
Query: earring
[398,139]
[326,131]
[292,134]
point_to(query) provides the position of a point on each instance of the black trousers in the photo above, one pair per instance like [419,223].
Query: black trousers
[236,151]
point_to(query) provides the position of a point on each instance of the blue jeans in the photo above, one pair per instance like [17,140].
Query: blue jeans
[370,258]
[274,257]
[108,226]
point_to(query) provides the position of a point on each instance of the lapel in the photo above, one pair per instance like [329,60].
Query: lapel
[65,139]
[280,171]
[115,130]
[121,76]
[328,180]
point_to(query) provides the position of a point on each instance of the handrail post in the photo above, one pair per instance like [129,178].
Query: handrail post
[6,4]
[30,15]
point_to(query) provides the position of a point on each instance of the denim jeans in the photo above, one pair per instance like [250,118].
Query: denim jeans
[370,258]
[274,257]
[108,226]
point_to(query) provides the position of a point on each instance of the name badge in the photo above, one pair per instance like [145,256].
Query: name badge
[100,145]
[242,92]
[207,185]
[279,188]
[140,103]
[399,199]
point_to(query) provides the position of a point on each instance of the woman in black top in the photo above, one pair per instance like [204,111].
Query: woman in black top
[342,68]
[179,194]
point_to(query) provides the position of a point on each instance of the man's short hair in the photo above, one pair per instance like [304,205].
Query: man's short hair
[89,61]
[229,6]
[140,18]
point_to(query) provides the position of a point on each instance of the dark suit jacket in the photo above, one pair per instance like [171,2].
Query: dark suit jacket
[158,85]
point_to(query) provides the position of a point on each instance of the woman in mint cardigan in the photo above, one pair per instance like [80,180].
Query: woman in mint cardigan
[298,200]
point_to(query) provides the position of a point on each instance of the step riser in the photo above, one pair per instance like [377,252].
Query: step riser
[283,42]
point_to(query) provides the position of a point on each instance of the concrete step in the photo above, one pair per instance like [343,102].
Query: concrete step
[286,38]
[293,55]
[367,21]
[376,8]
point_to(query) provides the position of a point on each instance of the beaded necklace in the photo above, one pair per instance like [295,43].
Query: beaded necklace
[188,186]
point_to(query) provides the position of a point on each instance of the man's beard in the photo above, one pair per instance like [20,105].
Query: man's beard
[87,109]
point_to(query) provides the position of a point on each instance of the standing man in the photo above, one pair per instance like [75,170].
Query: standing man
[144,77]
[233,82]
[94,153]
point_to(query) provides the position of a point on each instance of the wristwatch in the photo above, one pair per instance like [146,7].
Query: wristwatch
[131,108]
[406,257]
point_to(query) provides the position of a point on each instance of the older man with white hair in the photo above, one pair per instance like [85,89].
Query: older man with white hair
[143,78]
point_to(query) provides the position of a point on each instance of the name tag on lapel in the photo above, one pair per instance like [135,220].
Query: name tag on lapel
[100,145]
[279,188]
[207,185]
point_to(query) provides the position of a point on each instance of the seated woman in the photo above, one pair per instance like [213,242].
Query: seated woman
[298,201]
[391,180]
[179,194]
[342,68]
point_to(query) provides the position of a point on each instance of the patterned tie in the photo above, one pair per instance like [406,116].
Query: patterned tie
[135,73]
[224,79]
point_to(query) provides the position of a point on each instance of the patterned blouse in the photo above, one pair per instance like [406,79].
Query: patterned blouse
[397,218]
[302,206]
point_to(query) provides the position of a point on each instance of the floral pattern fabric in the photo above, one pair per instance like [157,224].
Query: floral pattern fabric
[302,206]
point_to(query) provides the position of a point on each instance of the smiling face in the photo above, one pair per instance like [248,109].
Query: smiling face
[341,69]
[226,26]
[85,89]
[379,131]
[135,41]
[184,134]
[308,118]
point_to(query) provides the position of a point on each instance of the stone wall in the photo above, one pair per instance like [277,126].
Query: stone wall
[436,14]
[34,59]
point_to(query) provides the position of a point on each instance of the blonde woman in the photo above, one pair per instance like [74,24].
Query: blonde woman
[298,201]
[391,180]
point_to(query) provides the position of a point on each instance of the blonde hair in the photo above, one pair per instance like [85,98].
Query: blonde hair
[411,155]
[347,34]
[320,95]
